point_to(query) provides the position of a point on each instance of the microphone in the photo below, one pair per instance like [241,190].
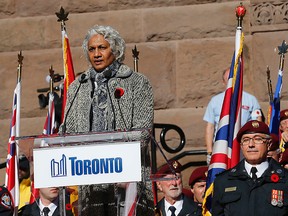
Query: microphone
[56,88]
[112,106]
[56,78]
[83,78]
[107,74]
[91,96]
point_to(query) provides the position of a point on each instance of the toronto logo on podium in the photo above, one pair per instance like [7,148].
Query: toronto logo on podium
[78,167]
[59,169]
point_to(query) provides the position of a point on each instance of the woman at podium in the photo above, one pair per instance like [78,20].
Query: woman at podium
[110,96]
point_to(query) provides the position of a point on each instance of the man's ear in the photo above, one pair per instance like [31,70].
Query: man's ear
[192,190]
[269,143]
[159,186]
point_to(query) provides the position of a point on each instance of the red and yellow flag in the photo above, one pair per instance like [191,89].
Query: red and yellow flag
[69,75]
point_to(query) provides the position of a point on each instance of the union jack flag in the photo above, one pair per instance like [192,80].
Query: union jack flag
[49,126]
[226,149]
[12,180]
[69,75]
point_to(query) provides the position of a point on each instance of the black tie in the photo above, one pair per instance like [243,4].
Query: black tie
[254,171]
[172,209]
[46,210]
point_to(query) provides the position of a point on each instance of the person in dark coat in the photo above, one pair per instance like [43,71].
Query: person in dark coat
[174,201]
[197,183]
[256,185]
[46,205]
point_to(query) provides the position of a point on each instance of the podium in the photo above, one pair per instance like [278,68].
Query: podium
[91,161]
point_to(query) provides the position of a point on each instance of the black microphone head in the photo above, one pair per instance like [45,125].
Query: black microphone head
[82,78]
[107,74]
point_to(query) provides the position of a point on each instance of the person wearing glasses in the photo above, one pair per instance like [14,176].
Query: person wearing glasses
[174,201]
[256,185]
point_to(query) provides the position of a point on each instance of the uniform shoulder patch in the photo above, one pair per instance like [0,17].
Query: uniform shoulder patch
[6,200]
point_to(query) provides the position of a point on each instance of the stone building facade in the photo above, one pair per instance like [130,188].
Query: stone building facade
[184,46]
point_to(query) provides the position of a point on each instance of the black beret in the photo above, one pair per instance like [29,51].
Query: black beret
[253,126]
[199,174]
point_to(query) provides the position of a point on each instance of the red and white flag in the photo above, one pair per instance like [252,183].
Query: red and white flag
[130,199]
[12,180]
[50,126]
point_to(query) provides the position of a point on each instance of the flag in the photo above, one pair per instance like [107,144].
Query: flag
[130,199]
[226,149]
[34,193]
[275,106]
[11,178]
[50,126]
[69,75]
[274,120]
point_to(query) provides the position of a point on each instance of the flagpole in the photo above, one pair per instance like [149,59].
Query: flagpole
[240,13]
[51,73]
[275,116]
[269,84]
[68,69]
[69,77]
[135,54]
[12,176]
[282,51]
[18,86]
[270,94]
[131,187]
[19,76]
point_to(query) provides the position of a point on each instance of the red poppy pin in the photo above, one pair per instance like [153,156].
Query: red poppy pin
[119,92]
[68,207]
[274,177]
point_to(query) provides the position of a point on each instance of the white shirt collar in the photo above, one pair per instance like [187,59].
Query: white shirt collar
[260,168]
[178,205]
[52,206]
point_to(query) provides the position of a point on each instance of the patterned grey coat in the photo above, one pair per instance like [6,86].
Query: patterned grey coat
[136,105]
[133,110]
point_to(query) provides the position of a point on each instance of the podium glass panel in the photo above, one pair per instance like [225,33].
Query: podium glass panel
[96,170]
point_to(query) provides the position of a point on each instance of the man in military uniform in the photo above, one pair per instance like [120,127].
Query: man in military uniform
[197,183]
[174,201]
[256,185]
[283,127]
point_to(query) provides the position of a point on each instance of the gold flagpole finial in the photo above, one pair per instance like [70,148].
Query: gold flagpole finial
[19,68]
[51,72]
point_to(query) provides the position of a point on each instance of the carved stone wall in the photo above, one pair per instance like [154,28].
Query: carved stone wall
[269,13]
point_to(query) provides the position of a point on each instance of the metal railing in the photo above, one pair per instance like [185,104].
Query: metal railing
[173,150]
